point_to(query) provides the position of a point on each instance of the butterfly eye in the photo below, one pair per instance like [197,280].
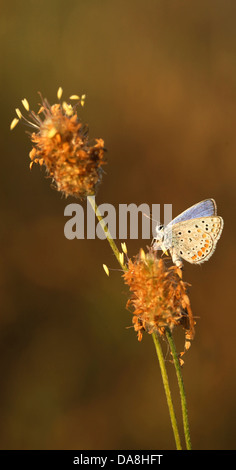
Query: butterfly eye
[159,228]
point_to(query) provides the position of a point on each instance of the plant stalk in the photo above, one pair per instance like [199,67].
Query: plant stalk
[106,231]
[157,347]
[167,390]
[181,389]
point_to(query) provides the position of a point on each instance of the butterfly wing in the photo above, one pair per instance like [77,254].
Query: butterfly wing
[195,240]
[204,208]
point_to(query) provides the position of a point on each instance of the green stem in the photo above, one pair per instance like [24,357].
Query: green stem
[107,233]
[155,339]
[167,391]
[181,389]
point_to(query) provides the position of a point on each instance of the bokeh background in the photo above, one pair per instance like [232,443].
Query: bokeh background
[160,80]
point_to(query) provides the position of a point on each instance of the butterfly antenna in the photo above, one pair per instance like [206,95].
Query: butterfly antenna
[150,218]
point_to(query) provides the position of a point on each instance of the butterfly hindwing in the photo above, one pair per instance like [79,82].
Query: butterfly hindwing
[195,240]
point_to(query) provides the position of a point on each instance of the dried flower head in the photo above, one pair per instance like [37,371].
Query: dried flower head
[159,297]
[61,144]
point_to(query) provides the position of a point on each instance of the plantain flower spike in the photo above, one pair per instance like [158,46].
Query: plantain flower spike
[61,145]
[159,298]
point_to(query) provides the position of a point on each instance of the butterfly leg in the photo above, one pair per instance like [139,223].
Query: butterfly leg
[175,258]
[155,245]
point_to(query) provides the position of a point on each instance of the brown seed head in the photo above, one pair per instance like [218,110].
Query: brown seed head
[158,296]
[61,144]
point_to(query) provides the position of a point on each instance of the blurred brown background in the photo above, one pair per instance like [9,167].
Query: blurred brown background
[160,80]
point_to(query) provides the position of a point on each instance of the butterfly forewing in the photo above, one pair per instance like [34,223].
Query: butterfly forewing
[204,208]
[195,240]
